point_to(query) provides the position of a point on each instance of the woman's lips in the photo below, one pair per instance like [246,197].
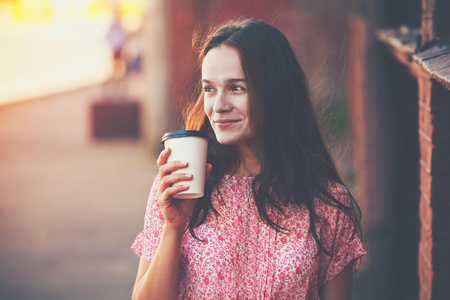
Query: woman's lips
[222,124]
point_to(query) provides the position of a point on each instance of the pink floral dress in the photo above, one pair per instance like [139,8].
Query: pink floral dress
[241,257]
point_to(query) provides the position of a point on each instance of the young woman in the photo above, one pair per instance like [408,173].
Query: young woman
[276,221]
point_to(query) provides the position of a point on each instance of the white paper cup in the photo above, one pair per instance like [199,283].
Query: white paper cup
[190,146]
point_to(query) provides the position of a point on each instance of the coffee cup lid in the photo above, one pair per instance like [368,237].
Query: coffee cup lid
[183,133]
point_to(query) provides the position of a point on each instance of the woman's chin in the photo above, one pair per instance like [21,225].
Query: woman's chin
[225,141]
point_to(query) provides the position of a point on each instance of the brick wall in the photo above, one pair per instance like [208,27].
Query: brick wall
[435,19]
[434,131]
[434,248]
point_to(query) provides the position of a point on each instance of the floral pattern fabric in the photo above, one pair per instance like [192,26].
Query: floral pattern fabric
[241,257]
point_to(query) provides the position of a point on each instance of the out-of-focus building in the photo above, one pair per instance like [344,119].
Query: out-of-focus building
[399,99]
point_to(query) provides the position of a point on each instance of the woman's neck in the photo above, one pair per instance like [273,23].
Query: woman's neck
[249,165]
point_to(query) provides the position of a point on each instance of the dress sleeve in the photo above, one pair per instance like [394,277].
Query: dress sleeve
[345,244]
[148,239]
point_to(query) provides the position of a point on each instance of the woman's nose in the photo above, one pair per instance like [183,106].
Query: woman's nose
[221,103]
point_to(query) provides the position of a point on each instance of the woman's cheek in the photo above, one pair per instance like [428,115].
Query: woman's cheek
[208,109]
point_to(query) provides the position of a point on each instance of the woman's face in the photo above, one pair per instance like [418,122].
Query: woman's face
[226,98]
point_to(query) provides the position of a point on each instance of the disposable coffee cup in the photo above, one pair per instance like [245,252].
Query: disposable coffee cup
[190,146]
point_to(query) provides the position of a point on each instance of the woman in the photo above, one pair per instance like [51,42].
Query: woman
[276,221]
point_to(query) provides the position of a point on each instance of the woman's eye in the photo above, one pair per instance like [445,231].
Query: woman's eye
[238,88]
[208,89]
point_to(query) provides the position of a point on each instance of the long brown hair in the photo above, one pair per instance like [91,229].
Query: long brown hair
[295,164]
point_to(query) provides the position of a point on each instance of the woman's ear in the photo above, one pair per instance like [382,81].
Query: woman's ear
[208,170]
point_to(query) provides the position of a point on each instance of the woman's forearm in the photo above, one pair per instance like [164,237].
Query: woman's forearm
[160,279]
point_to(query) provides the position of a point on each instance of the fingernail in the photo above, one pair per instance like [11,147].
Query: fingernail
[188,176]
[185,186]
[184,163]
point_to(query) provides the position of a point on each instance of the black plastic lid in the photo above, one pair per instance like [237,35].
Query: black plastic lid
[183,133]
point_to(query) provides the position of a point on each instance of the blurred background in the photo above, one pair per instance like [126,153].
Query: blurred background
[88,87]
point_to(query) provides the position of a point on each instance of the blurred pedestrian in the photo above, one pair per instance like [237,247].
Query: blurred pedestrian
[276,221]
[117,37]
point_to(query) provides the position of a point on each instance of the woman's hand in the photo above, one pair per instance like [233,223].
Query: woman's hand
[176,212]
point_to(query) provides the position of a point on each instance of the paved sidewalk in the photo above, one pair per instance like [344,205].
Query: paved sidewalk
[70,206]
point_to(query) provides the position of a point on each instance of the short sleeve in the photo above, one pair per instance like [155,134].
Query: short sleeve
[343,239]
[149,238]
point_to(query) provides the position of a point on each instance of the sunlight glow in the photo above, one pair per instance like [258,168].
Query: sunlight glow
[48,46]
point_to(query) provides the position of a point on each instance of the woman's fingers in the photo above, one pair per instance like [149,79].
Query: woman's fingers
[169,180]
[168,168]
[170,185]
[162,158]
[170,191]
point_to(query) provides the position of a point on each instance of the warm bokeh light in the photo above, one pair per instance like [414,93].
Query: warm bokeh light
[49,46]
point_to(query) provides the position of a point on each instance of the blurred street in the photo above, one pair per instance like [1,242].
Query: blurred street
[39,59]
[70,206]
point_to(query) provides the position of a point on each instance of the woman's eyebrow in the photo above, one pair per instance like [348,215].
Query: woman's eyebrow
[237,80]
[228,80]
